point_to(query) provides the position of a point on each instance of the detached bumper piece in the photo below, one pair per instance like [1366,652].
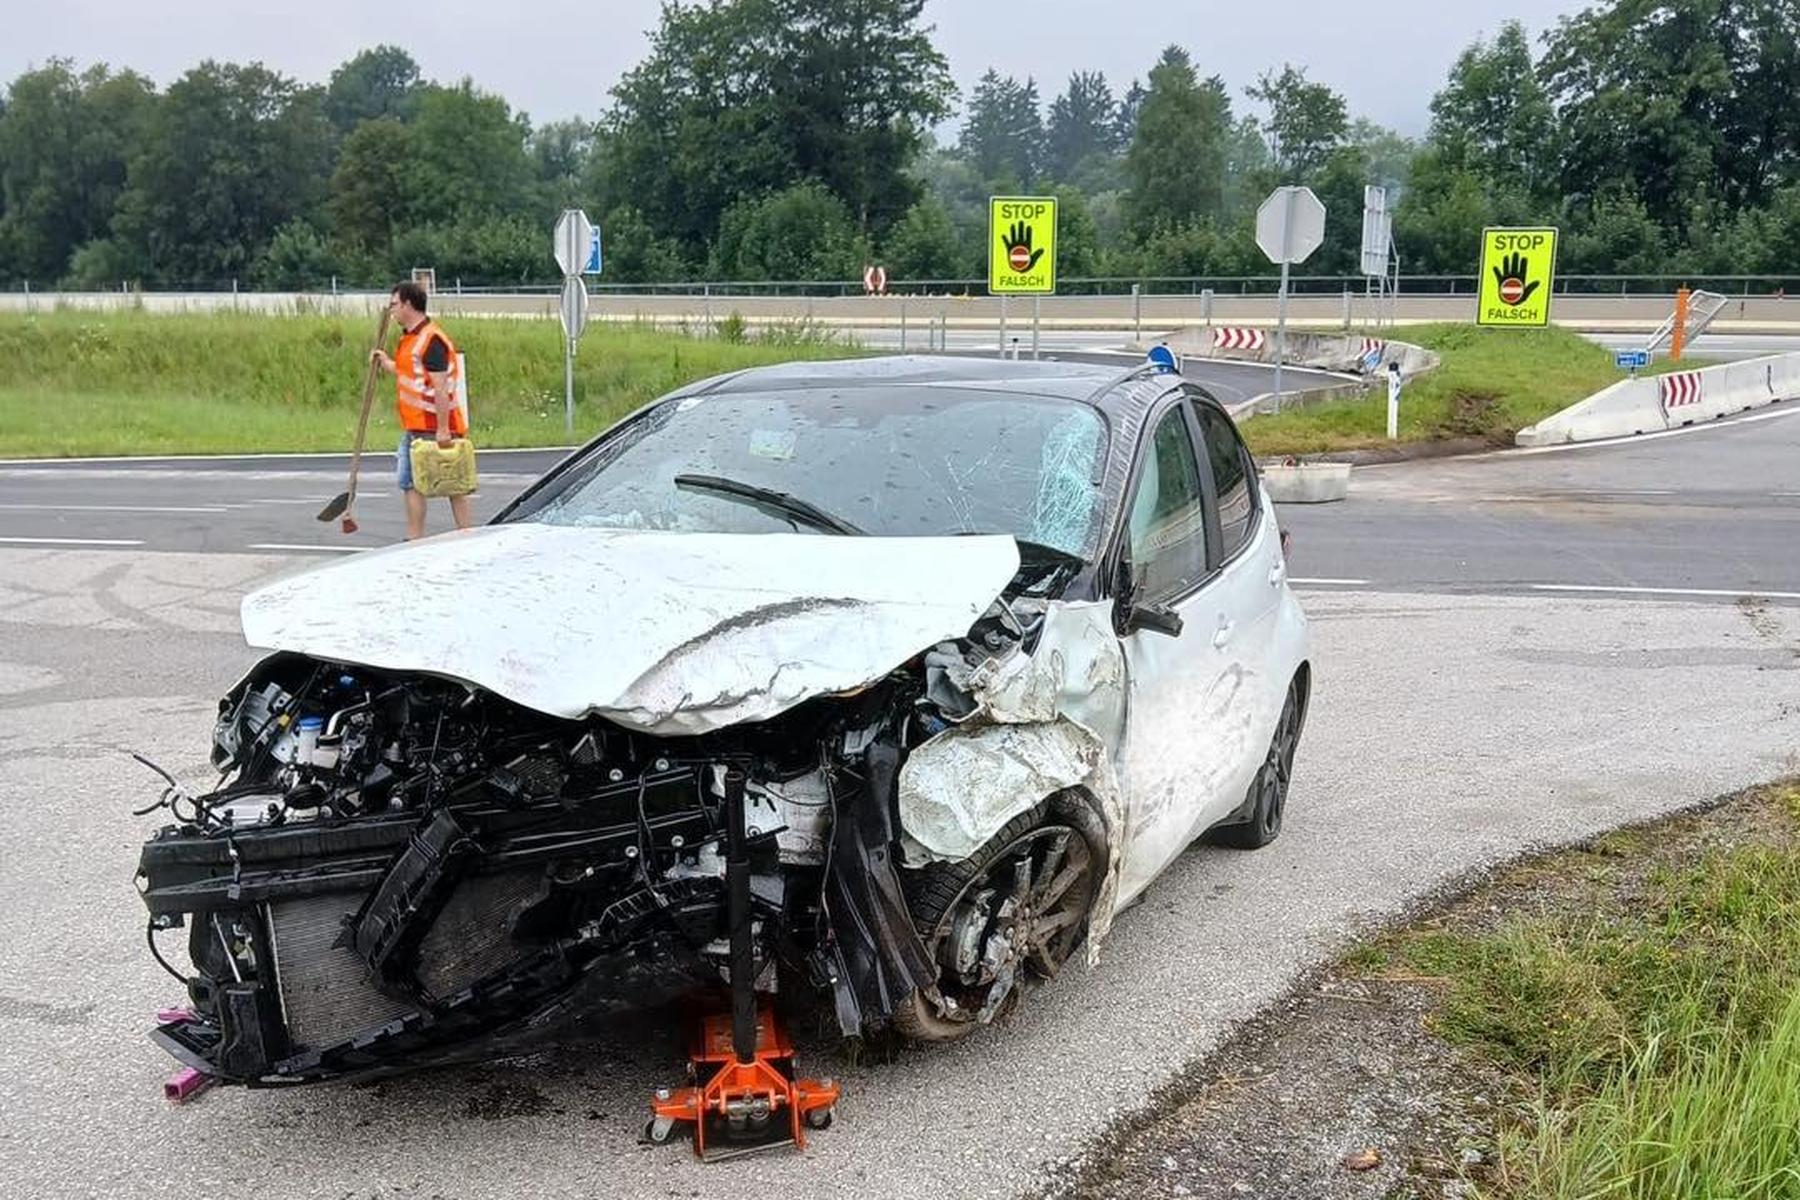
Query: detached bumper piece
[743,1105]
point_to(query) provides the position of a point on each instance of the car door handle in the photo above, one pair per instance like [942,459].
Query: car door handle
[1277,573]
[1224,633]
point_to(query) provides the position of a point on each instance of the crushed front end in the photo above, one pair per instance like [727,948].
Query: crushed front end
[398,869]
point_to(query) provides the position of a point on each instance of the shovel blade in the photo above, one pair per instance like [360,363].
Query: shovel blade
[336,507]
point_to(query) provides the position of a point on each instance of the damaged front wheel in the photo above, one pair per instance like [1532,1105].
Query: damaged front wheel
[1019,903]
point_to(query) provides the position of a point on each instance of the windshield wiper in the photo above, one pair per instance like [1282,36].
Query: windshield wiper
[769,500]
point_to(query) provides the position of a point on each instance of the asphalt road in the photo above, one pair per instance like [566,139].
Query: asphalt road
[1460,717]
[1713,509]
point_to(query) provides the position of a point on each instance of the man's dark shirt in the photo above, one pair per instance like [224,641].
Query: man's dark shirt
[437,354]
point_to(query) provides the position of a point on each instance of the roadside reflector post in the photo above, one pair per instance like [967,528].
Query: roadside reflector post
[1678,341]
[903,322]
[1393,409]
[1137,312]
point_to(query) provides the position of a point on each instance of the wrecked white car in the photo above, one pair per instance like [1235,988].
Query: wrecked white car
[894,679]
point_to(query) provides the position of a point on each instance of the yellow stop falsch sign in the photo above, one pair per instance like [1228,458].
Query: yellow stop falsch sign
[1518,275]
[1022,245]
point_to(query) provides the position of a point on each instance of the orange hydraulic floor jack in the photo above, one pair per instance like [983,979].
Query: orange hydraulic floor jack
[745,1095]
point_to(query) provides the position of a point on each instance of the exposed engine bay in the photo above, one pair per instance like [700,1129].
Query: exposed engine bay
[398,869]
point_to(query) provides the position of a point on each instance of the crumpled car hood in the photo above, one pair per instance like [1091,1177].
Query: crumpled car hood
[669,633]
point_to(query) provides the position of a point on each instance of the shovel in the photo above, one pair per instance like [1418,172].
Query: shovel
[340,504]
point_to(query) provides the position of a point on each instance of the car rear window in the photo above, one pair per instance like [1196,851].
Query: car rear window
[895,461]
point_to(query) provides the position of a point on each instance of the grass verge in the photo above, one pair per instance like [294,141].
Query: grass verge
[1616,1020]
[1647,1004]
[133,383]
[1493,382]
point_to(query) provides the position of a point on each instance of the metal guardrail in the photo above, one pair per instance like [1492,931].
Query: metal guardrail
[1098,285]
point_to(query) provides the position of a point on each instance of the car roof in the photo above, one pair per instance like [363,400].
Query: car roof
[1097,384]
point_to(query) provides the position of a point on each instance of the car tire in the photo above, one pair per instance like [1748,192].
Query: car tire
[1266,803]
[947,898]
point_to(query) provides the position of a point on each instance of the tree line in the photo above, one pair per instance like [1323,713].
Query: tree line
[792,140]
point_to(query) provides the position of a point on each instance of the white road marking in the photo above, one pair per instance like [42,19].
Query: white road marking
[314,547]
[1337,582]
[136,508]
[43,541]
[1748,593]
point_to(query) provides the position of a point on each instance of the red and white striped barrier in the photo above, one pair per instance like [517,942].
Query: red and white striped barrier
[1228,337]
[1654,403]
[1678,389]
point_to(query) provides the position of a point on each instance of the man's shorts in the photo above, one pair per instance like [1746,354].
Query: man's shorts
[403,459]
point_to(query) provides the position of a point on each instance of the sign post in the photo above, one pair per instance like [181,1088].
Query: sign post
[1518,276]
[576,245]
[1021,254]
[1290,225]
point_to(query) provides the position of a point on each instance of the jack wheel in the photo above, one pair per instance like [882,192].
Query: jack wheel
[658,1131]
[821,1118]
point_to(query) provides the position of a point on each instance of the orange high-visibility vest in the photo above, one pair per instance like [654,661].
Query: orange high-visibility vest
[414,396]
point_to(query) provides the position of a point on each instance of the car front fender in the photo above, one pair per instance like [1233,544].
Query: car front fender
[958,790]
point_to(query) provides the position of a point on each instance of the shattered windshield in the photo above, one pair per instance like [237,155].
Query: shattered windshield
[896,461]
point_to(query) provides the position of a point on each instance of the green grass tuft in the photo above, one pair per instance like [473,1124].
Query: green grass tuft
[1662,1034]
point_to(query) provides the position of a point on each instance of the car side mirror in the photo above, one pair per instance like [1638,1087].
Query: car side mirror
[1157,618]
[1135,614]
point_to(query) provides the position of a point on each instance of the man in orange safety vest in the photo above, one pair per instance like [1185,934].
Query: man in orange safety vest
[428,394]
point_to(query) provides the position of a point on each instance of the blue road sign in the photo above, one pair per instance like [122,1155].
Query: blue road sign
[592,265]
[1161,357]
[1631,360]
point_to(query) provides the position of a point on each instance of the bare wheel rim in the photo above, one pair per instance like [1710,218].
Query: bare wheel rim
[1024,910]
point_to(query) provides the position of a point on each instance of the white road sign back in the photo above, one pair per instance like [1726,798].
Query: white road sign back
[1377,231]
[1290,225]
[570,243]
[574,306]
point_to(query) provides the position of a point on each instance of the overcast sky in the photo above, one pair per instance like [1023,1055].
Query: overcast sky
[558,58]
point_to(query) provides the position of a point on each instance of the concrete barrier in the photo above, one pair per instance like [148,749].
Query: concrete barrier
[1656,402]
[1351,354]
[1306,483]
